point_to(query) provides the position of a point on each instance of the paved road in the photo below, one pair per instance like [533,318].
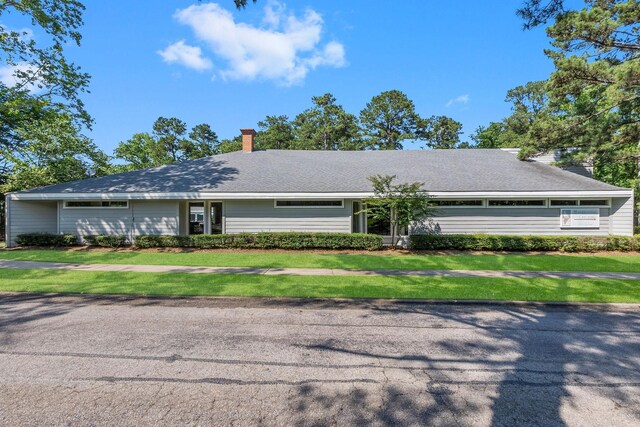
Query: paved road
[42,265]
[123,361]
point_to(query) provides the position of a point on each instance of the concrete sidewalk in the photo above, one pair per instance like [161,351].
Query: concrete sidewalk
[313,271]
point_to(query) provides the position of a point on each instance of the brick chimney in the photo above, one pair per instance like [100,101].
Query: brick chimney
[247,140]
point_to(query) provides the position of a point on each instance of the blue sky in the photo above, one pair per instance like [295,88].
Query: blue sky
[209,63]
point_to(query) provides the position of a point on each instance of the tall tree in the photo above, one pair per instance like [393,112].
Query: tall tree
[40,69]
[388,119]
[53,153]
[489,136]
[170,138]
[231,145]
[276,133]
[139,152]
[529,102]
[167,144]
[202,142]
[594,92]
[44,96]
[326,126]
[441,132]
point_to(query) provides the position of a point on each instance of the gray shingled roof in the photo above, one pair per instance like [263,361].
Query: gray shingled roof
[340,171]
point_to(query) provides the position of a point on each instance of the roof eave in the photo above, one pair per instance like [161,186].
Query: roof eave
[623,192]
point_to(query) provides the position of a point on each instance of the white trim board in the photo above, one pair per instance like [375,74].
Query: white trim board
[337,195]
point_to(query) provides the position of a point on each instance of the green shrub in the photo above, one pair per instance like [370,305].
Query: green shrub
[46,239]
[107,240]
[288,240]
[486,242]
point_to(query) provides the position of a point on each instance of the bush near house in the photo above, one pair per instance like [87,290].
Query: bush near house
[485,242]
[46,239]
[289,240]
[107,241]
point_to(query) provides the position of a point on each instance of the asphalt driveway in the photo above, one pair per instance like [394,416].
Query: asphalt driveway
[135,361]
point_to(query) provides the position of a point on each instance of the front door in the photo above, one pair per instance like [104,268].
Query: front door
[196,218]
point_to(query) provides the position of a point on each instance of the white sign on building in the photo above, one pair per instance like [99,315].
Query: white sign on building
[580,218]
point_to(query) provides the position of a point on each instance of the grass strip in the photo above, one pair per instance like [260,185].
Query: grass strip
[518,289]
[384,261]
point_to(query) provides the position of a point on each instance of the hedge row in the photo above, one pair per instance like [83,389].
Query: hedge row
[46,239]
[485,242]
[291,240]
[107,241]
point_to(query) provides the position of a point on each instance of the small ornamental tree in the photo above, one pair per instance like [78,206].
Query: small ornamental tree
[400,204]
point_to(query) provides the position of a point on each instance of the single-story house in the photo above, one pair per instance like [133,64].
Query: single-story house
[477,191]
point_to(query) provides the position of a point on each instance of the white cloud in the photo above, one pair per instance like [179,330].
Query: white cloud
[272,14]
[284,50]
[462,99]
[189,56]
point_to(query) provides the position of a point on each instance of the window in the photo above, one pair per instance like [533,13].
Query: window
[308,203]
[563,202]
[457,203]
[594,202]
[517,203]
[585,202]
[96,204]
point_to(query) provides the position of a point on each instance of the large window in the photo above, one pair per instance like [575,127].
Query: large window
[308,203]
[457,203]
[517,203]
[96,204]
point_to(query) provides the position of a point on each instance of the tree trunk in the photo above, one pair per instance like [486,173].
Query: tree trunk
[394,224]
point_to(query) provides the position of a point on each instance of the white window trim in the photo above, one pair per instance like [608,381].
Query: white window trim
[578,205]
[483,205]
[224,218]
[543,206]
[275,204]
[608,205]
[64,204]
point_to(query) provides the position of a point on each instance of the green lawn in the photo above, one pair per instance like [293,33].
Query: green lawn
[613,263]
[320,286]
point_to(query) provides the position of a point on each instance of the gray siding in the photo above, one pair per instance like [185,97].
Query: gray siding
[155,217]
[261,215]
[94,221]
[621,216]
[31,217]
[141,217]
[541,221]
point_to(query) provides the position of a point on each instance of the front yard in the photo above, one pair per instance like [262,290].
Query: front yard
[567,290]
[334,286]
[369,261]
